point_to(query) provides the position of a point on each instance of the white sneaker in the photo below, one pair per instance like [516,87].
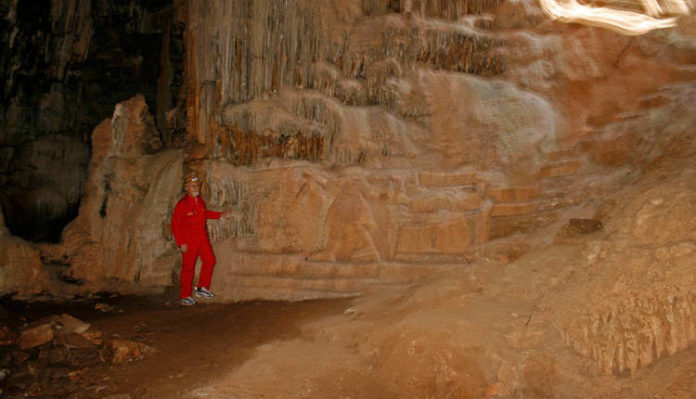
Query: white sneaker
[203,292]
[189,301]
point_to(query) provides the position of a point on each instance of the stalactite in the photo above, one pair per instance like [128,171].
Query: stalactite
[247,147]
[254,51]
[451,9]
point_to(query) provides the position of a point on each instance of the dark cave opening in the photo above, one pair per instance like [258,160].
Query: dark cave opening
[56,95]
[37,228]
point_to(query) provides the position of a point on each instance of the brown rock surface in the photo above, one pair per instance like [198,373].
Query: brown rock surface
[36,336]
[21,271]
[364,143]
[125,350]
[121,231]
[631,301]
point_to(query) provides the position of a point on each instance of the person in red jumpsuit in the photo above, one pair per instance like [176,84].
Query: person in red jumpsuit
[191,235]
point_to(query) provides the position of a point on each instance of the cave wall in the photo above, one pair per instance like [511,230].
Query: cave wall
[64,65]
[375,142]
[361,143]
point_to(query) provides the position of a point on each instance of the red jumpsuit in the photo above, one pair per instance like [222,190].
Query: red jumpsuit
[188,226]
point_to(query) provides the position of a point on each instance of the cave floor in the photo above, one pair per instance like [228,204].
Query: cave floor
[193,345]
[313,349]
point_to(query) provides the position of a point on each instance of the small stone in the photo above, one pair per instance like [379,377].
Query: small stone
[36,336]
[74,341]
[7,337]
[66,324]
[80,358]
[125,350]
[5,359]
[103,307]
[94,336]
[19,357]
[496,390]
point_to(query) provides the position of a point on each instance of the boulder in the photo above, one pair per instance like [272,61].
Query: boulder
[67,324]
[36,336]
[7,337]
[21,271]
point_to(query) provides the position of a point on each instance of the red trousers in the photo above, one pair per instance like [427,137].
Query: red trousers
[198,247]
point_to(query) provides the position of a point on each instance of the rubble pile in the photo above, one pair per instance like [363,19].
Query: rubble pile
[53,356]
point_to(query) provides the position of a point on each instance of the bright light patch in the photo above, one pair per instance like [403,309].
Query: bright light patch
[647,15]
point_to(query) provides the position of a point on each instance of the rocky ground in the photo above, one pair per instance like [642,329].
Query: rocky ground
[134,347]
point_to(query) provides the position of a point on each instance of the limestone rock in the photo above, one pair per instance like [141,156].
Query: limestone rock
[21,270]
[121,231]
[413,133]
[633,301]
[133,130]
[74,341]
[371,142]
[67,324]
[73,357]
[36,336]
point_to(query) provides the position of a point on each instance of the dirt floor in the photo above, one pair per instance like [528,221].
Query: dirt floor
[193,344]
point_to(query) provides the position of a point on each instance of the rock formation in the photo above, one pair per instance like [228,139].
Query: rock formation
[633,298]
[122,230]
[376,142]
[21,270]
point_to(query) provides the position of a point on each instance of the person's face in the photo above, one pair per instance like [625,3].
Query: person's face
[193,188]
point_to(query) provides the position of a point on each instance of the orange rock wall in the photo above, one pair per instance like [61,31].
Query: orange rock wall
[369,142]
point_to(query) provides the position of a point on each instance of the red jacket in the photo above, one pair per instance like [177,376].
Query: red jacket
[188,222]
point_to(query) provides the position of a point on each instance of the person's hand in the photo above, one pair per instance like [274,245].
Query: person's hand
[227,213]
[183,248]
